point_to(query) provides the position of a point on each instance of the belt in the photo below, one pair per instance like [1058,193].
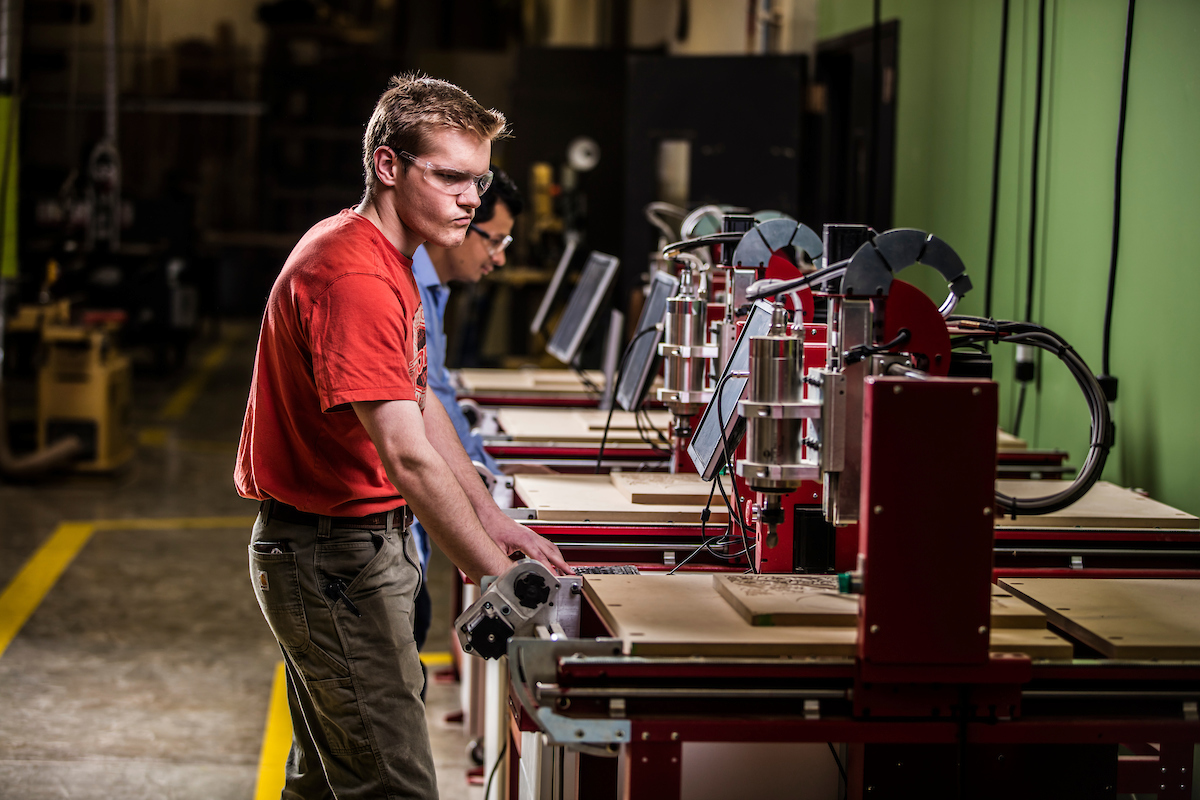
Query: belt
[286,513]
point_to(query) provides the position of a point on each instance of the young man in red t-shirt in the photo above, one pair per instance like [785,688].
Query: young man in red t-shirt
[343,444]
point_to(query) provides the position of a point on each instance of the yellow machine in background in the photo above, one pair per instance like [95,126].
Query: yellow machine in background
[84,390]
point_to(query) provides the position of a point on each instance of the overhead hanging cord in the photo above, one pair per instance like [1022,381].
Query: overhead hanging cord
[876,111]
[1031,270]
[1033,189]
[991,252]
[1106,380]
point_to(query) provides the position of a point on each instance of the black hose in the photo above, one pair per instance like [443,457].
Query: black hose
[991,251]
[1101,425]
[1116,227]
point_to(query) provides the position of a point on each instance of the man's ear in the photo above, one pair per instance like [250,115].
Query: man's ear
[386,165]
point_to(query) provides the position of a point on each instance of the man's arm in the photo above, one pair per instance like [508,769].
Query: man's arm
[426,463]
[509,534]
[429,485]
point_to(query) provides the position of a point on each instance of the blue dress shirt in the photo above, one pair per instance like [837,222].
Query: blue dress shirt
[434,295]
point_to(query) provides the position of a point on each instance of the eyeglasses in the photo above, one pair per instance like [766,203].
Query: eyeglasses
[494,246]
[448,179]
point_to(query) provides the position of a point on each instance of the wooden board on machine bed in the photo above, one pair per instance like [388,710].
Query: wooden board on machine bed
[574,425]
[814,600]
[594,498]
[1105,505]
[684,615]
[1121,617]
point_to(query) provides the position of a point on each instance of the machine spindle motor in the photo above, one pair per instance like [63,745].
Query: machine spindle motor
[775,410]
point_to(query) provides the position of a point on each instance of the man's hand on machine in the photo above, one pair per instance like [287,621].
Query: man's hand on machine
[514,536]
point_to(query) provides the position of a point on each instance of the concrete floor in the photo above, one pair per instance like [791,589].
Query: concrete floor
[146,670]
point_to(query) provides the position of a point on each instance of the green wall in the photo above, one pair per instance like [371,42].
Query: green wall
[946,95]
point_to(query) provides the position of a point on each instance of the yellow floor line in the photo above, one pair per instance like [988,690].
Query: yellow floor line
[277,740]
[26,592]
[39,574]
[436,659]
[186,394]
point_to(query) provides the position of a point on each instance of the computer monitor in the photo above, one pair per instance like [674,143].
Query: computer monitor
[576,320]
[705,446]
[560,272]
[641,364]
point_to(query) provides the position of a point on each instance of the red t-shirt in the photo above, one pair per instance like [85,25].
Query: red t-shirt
[343,323]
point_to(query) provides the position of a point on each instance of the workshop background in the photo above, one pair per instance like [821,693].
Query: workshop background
[239,125]
[160,158]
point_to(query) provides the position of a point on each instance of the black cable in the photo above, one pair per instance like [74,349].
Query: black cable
[1116,228]
[820,276]
[586,381]
[1020,412]
[838,761]
[701,241]
[876,111]
[662,437]
[991,252]
[1037,129]
[643,429]
[645,426]
[703,522]
[1101,424]
[613,404]
[859,352]
[487,791]
[736,510]
[735,517]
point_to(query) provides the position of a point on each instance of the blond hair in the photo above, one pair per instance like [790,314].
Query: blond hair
[409,111]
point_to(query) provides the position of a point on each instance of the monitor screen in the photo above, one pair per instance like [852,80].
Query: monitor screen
[556,280]
[581,308]
[705,446]
[641,364]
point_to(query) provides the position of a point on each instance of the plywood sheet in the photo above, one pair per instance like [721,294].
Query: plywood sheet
[656,488]
[1006,441]
[1012,612]
[1032,642]
[814,600]
[564,425]
[565,377]
[682,615]
[531,381]
[1104,506]
[593,498]
[787,599]
[595,419]
[1134,618]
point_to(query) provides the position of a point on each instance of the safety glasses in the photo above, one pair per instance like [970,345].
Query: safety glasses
[493,245]
[450,180]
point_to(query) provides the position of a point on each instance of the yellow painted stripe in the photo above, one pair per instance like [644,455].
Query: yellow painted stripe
[185,395]
[436,659]
[34,580]
[172,523]
[277,741]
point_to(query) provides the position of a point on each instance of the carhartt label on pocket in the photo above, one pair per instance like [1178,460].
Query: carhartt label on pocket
[263,583]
